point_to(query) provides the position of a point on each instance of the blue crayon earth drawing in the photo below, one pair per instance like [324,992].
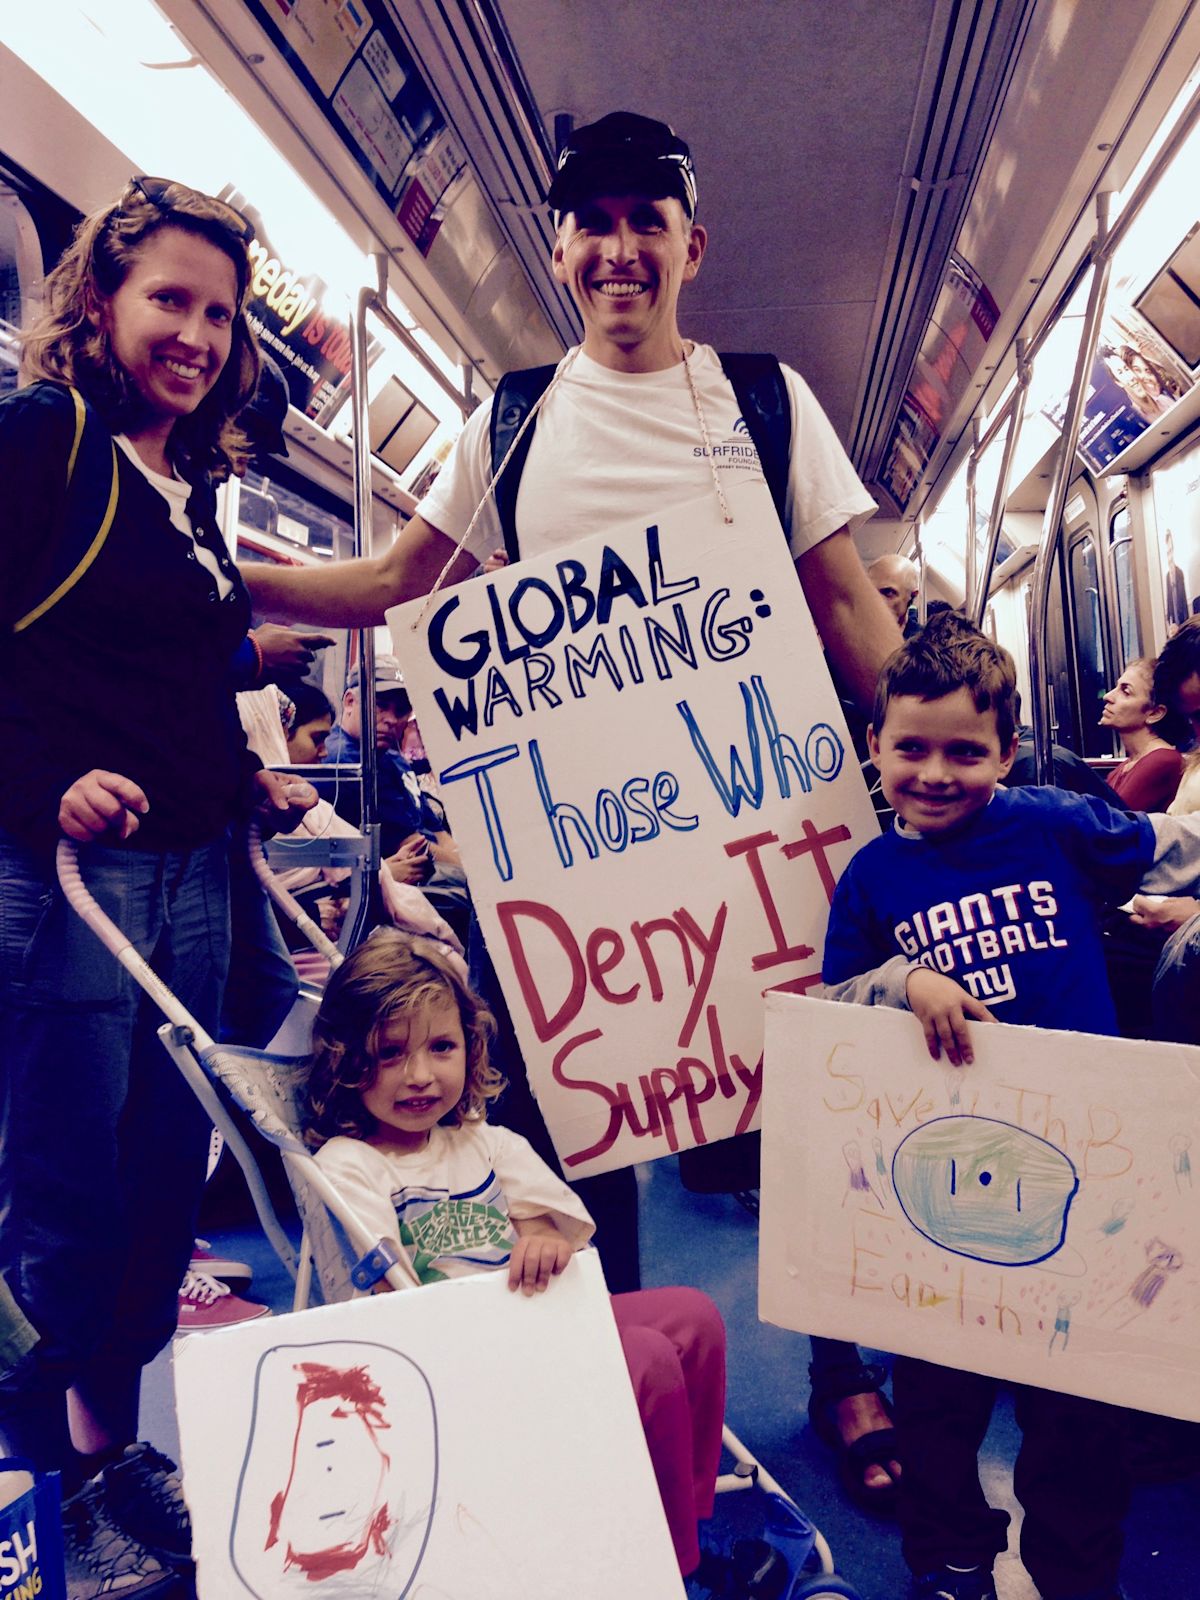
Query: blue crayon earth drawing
[985,1189]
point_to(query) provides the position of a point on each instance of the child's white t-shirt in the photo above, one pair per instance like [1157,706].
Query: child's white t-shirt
[450,1205]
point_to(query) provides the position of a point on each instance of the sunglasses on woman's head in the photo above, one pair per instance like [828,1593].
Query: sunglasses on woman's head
[170,196]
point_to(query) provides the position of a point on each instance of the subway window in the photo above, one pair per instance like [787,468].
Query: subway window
[1120,543]
[20,274]
[1089,642]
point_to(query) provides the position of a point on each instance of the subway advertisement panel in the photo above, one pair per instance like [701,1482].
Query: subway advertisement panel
[1177,515]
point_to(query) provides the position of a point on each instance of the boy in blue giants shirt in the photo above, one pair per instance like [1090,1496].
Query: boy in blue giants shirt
[984,904]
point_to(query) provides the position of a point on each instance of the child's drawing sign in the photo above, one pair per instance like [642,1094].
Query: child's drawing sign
[339,1478]
[648,773]
[455,1441]
[1030,1216]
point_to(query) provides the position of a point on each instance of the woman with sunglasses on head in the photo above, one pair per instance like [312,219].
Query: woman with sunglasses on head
[121,615]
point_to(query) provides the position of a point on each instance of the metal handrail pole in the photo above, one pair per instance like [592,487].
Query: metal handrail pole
[355,923]
[979,597]
[918,555]
[377,302]
[1056,501]
[1172,145]
[970,561]
[363,515]
[1035,341]
[1112,241]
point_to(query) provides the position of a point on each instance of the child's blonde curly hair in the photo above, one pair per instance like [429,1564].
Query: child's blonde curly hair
[393,974]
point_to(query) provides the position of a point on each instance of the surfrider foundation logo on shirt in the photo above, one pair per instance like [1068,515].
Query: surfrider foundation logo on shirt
[734,454]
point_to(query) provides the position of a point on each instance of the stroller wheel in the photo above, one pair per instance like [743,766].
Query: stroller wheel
[829,1587]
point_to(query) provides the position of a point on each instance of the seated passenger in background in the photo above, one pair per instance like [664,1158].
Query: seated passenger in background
[311,724]
[1177,686]
[399,1087]
[1145,781]
[416,841]
[1149,776]
[1175,1010]
[1041,862]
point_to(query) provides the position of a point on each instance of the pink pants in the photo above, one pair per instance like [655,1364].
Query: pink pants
[674,1343]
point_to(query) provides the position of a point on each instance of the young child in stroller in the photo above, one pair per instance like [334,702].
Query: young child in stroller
[397,1095]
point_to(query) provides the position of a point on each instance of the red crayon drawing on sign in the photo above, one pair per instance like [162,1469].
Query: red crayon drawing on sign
[332,1511]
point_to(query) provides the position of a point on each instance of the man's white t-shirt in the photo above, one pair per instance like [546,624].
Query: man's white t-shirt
[612,447]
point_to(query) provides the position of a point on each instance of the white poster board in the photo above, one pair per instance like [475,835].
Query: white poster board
[391,1447]
[1031,1216]
[648,774]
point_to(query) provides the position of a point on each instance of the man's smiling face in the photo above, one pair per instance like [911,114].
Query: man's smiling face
[624,259]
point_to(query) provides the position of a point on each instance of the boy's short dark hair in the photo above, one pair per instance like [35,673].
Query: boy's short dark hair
[951,653]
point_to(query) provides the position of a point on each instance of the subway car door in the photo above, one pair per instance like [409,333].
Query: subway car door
[1077,649]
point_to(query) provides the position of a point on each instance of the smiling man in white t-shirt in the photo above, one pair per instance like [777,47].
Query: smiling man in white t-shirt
[638,419]
[620,434]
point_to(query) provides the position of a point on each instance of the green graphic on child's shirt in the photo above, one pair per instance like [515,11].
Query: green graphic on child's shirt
[453,1228]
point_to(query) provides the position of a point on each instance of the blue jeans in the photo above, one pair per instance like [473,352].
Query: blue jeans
[263,983]
[102,1144]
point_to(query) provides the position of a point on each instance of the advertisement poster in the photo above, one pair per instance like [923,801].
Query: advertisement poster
[1033,1216]
[647,771]
[286,308]
[961,325]
[1136,379]
[350,56]
[1177,517]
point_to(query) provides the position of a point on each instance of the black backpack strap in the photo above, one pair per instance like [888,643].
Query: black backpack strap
[766,407]
[90,504]
[515,398]
[758,386]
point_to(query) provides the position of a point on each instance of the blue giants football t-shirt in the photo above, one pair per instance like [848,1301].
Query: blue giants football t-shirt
[1008,906]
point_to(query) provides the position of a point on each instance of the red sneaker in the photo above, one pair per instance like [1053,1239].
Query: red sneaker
[206,1303]
[204,1259]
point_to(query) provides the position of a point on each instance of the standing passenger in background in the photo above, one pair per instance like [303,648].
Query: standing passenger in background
[1149,776]
[620,435]
[131,746]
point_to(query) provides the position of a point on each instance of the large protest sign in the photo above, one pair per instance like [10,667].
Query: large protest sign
[648,773]
[383,1447]
[1031,1216]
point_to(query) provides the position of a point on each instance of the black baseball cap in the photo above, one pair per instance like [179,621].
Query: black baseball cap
[623,152]
[262,418]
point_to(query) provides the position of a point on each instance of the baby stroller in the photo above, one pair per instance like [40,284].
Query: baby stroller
[338,1253]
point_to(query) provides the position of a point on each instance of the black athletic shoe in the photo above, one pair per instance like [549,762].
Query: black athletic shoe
[143,1496]
[102,1561]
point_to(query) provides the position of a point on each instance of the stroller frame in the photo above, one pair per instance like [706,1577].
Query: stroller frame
[213,1071]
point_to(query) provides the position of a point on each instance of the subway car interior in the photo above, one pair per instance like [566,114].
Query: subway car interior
[972,226]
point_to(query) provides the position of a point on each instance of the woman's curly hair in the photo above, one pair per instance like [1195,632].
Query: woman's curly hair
[392,975]
[70,342]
